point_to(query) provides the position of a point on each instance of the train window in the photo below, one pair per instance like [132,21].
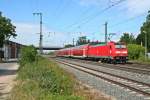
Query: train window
[123,46]
[120,46]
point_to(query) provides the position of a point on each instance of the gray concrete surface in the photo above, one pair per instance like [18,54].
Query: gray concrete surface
[8,72]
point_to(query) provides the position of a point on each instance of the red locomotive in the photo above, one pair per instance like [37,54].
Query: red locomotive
[110,52]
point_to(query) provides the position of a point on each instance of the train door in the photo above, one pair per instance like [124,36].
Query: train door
[85,51]
[110,50]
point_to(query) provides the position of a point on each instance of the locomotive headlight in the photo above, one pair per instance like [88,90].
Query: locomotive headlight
[124,52]
[118,52]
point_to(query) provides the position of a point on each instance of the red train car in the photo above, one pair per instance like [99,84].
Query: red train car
[80,51]
[110,52]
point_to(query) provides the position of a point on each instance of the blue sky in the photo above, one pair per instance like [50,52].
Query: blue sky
[65,19]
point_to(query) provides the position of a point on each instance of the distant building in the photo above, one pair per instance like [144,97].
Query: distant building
[11,50]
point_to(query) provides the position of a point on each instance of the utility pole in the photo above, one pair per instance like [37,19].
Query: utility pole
[41,36]
[106,31]
[73,41]
[145,45]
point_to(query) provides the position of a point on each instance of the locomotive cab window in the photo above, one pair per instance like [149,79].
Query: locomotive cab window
[120,46]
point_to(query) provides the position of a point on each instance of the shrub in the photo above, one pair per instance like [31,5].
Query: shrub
[44,80]
[28,55]
[135,51]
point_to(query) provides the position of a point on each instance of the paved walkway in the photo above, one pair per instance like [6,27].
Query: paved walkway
[7,75]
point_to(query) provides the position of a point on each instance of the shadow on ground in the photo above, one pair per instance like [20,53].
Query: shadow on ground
[4,72]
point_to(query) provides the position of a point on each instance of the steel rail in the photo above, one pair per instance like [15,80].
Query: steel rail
[131,69]
[112,75]
[107,79]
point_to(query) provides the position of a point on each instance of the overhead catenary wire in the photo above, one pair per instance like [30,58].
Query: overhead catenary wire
[57,8]
[119,23]
[105,9]
[90,18]
[62,9]
[79,18]
[126,20]
[67,4]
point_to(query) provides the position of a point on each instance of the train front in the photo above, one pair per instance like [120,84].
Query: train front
[120,52]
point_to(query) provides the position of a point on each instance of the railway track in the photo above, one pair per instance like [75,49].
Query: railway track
[136,68]
[133,85]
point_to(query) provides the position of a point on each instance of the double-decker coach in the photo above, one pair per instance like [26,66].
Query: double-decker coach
[110,52]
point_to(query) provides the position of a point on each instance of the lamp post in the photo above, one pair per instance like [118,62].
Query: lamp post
[41,36]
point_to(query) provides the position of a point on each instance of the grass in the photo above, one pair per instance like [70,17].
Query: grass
[43,80]
[141,60]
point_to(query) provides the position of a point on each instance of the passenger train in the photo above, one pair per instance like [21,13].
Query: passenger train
[110,52]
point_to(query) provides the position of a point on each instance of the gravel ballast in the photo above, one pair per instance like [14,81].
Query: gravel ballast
[135,76]
[108,88]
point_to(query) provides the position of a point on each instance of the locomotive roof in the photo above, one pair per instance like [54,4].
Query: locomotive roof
[98,44]
[93,44]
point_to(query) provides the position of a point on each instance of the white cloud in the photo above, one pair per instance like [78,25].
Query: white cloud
[26,33]
[100,3]
[137,7]
[28,28]
[131,7]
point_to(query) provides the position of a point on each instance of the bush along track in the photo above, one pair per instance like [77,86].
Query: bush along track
[41,79]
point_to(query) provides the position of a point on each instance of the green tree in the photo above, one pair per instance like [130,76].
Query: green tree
[127,38]
[82,40]
[28,55]
[6,30]
[69,45]
[145,30]
[135,51]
